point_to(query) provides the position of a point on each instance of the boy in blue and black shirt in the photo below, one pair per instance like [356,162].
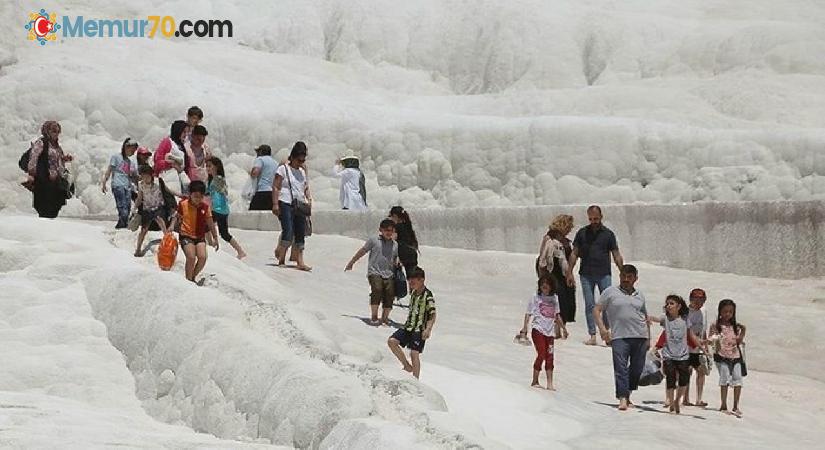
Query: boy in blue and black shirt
[419,325]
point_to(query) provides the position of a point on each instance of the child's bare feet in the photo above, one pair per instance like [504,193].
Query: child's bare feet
[305,268]
[551,388]
[408,368]
[241,255]
[737,413]
[535,384]
[724,409]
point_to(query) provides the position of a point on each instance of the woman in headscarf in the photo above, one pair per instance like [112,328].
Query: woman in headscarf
[169,158]
[353,195]
[46,168]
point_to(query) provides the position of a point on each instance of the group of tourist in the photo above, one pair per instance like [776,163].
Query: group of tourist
[182,187]
[621,317]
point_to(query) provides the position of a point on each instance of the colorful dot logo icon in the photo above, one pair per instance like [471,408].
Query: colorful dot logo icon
[42,26]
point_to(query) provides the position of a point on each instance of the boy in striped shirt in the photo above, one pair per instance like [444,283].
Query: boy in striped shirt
[419,325]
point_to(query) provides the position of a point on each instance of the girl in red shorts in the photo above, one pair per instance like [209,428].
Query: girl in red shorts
[545,314]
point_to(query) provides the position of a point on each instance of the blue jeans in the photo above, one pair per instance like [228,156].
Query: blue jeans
[293,226]
[589,284]
[123,200]
[628,350]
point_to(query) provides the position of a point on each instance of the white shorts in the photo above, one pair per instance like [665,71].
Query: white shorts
[728,377]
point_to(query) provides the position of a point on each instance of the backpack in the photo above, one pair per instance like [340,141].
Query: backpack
[42,163]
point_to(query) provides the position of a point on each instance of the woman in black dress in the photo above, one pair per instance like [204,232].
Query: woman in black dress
[407,242]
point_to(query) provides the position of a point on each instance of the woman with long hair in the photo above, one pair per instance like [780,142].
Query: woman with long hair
[406,238]
[218,193]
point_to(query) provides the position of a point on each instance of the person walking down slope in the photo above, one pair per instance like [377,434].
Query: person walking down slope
[169,159]
[419,325]
[629,333]
[594,244]
[217,191]
[123,171]
[290,191]
[406,238]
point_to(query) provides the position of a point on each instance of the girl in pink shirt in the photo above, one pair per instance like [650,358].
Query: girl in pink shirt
[728,336]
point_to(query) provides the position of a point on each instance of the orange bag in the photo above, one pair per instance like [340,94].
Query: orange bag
[167,252]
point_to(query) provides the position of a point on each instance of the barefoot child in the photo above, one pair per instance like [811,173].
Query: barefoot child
[195,218]
[545,313]
[697,322]
[727,336]
[218,192]
[674,342]
[383,251]
[150,205]
[419,325]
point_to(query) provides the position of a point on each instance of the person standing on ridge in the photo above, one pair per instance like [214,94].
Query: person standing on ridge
[46,169]
[353,193]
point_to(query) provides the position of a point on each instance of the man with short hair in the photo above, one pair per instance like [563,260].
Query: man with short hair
[197,153]
[419,326]
[383,259]
[594,244]
[629,331]
[194,117]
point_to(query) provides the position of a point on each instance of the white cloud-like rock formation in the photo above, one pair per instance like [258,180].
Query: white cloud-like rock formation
[447,103]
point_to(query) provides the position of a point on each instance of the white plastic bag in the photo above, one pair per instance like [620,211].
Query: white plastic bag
[184,182]
[249,189]
[134,221]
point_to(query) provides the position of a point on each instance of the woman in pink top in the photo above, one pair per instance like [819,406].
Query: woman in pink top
[169,158]
[728,336]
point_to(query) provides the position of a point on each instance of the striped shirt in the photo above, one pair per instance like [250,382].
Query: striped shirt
[422,308]
[194,219]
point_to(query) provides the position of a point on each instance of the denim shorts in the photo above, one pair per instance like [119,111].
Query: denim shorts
[729,374]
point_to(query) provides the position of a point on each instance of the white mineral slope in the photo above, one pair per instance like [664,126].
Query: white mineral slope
[277,354]
[62,384]
[236,361]
[449,103]
[472,362]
